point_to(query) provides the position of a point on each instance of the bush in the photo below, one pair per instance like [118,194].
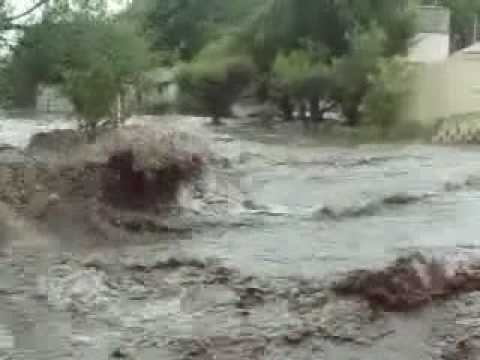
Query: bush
[351,72]
[104,60]
[389,88]
[91,105]
[213,85]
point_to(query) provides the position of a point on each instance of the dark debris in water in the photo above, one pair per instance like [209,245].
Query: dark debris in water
[372,207]
[410,283]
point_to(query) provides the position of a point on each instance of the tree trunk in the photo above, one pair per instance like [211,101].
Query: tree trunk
[286,107]
[91,132]
[119,110]
[216,120]
[303,112]
[352,114]
[263,90]
[314,110]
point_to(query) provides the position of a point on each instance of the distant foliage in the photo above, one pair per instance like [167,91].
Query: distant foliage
[185,27]
[301,54]
[214,84]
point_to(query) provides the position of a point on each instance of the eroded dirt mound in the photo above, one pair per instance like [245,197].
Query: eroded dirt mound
[410,283]
[129,169]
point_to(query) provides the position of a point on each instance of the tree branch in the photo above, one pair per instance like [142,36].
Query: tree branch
[27,12]
[10,26]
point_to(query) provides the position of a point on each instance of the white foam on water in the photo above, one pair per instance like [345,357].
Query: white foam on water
[17,131]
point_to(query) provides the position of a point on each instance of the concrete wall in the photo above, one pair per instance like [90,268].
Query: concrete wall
[463,87]
[446,89]
[429,98]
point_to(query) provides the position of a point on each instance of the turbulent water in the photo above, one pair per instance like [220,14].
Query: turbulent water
[297,206]
[17,128]
[318,208]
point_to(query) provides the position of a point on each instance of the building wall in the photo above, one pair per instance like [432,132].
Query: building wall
[463,87]
[429,97]
[447,89]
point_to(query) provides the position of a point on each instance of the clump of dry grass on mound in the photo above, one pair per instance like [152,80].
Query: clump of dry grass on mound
[410,283]
[144,166]
[135,167]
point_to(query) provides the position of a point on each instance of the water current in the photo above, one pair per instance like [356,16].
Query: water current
[299,204]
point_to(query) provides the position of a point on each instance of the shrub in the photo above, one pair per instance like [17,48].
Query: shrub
[91,106]
[389,89]
[213,85]
[351,72]
[103,61]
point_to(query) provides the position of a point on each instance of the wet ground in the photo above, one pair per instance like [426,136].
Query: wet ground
[288,212]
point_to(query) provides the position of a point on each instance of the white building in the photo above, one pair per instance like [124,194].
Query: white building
[432,43]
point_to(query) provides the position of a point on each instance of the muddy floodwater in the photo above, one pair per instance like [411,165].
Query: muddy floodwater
[289,211]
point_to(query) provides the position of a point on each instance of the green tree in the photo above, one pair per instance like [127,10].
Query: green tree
[352,71]
[95,57]
[214,84]
[390,87]
[39,53]
[102,61]
[35,59]
[284,25]
[186,26]
[351,35]
[396,18]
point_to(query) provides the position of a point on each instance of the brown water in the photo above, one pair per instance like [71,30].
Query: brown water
[289,205]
